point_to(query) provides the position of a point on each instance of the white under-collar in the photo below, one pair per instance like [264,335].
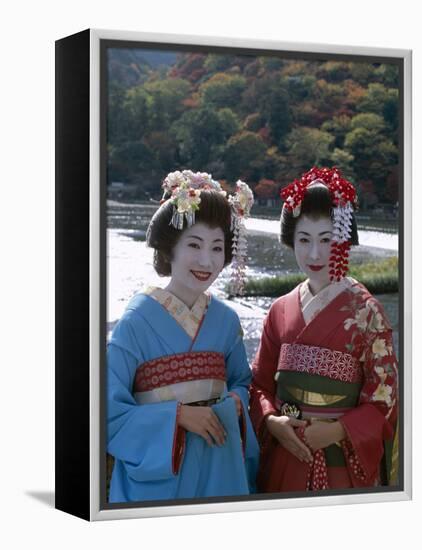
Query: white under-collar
[312,304]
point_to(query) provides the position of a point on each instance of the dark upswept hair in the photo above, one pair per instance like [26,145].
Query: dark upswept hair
[162,236]
[317,203]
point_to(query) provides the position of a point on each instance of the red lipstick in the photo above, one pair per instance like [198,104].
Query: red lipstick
[201,275]
[316,267]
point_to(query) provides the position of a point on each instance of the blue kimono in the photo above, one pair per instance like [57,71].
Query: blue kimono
[154,365]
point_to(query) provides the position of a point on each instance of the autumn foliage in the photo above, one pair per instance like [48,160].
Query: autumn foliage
[265,119]
[267,189]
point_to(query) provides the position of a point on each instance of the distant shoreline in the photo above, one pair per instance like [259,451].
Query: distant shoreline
[372,238]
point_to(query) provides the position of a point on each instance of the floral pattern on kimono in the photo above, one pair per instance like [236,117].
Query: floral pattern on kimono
[350,322]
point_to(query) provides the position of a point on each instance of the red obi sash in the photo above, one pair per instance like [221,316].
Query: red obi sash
[180,367]
[333,364]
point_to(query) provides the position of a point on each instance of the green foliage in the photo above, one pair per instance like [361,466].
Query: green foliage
[374,99]
[252,117]
[338,126]
[272,63]
[295,67]
[389,267]
[277,112]
[391,112]
[215,62]
[229,122]
[374,154]
[243,155]
[382,101]
[335,71]
[388,155]
[388,74]
[359,141]
[165,101]
[301,88]
[131,116]
[274,165]
[328,96]
[254,68]
[273,286]
[127,159]
[199,132]
[253,122]
[309,145]
[223,90]
[343,160]
[362,72]
[378,277]
[372,122]
[270,97]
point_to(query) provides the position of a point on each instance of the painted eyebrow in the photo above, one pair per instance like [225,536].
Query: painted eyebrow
[201,239]
[320,234]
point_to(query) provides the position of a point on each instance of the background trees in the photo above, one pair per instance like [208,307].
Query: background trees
[263,119]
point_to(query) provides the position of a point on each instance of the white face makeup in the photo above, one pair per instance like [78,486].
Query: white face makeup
[312,247]
[198,259]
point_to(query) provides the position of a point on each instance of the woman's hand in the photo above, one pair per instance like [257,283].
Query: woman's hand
[238,402]
[320,435]
[204,422]
[282,428]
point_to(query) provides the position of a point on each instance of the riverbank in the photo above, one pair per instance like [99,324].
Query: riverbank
[380,277]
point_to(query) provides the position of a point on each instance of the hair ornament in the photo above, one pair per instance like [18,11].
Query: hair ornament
[184,189]
[241,203]
[343,195]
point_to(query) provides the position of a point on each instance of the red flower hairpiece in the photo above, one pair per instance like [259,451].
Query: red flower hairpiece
[343,196]
[341,190]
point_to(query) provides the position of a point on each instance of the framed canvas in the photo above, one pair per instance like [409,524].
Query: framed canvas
[134,107]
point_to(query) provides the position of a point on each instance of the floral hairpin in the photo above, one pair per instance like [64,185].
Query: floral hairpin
[241,203]
[343,196]
[185,189]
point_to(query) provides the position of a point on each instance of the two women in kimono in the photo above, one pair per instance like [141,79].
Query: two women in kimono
[178,376]
[324,391]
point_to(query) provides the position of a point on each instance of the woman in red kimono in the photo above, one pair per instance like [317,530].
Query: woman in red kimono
[324,391]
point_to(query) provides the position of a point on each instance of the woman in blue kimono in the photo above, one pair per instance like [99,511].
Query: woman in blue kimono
[178,376]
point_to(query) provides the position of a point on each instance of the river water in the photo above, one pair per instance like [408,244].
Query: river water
[129,266]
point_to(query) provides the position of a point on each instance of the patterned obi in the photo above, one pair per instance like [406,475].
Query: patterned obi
[184,377]
[324,383]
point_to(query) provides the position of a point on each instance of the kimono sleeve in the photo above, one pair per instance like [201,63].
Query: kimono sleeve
[263,389]
[237,366]
[146,438]
[370,425]
[238,381]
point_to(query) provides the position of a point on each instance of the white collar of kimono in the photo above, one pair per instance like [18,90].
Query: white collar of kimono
[188,319]
[313,304]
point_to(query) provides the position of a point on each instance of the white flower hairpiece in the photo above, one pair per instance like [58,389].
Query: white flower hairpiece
[241,203]
[185,193]
[185,189]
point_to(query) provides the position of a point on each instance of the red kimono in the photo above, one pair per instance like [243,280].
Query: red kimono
[332,356]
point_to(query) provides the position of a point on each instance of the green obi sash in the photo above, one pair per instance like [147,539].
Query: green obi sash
[323,383]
